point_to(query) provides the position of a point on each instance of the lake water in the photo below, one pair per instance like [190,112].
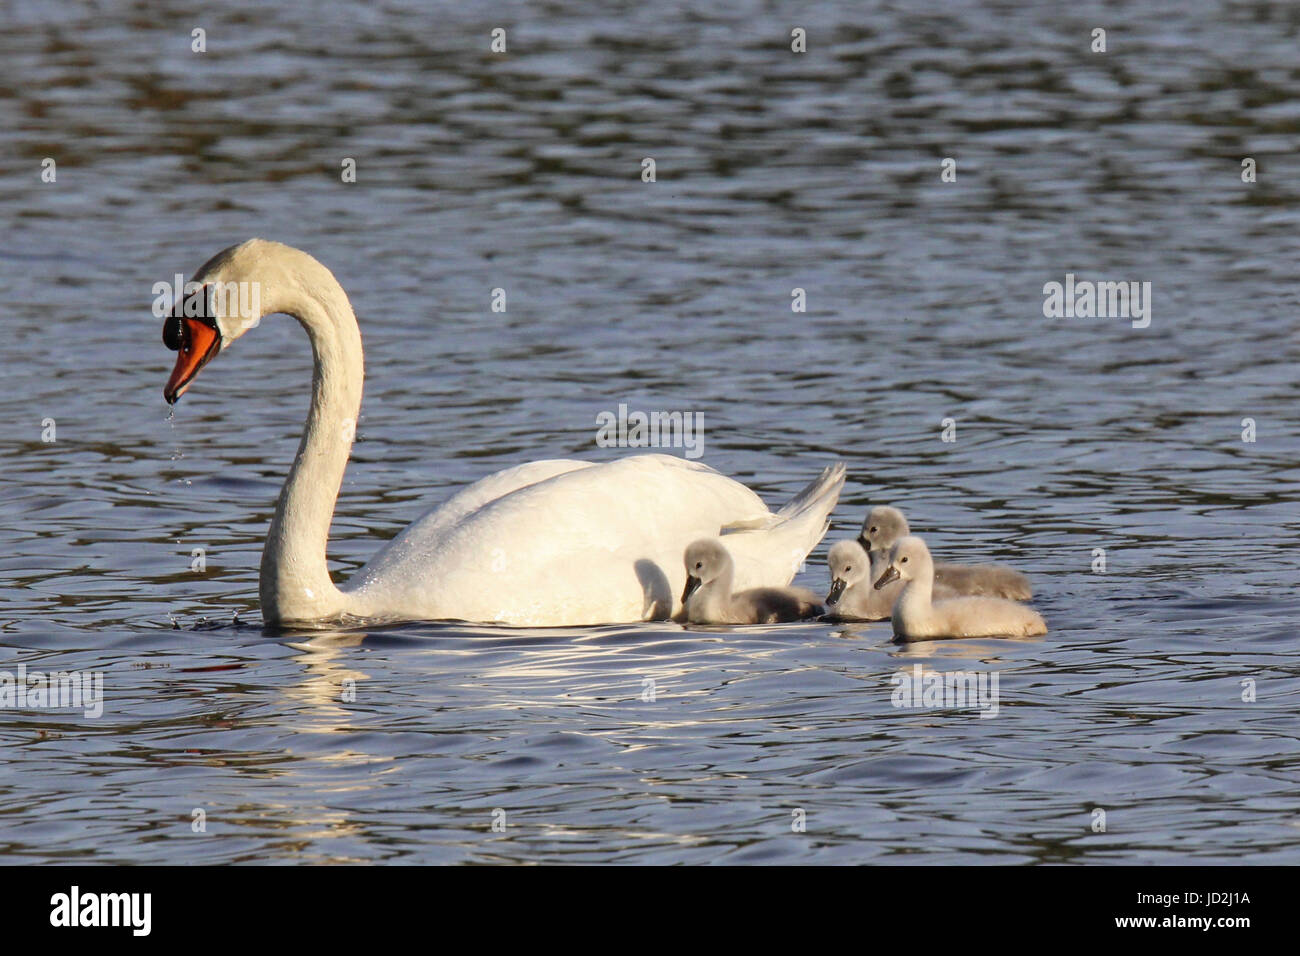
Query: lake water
[819,171]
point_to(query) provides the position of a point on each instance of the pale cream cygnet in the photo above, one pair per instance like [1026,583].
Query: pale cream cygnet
[708,598]
[917,617]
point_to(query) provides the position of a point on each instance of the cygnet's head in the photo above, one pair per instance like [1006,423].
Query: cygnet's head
[908,560]
[882,528]
[705,561]
[849,565]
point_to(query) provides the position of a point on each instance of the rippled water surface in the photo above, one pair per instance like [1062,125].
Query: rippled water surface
[775,171]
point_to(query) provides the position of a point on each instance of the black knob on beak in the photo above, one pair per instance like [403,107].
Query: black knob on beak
[172,333]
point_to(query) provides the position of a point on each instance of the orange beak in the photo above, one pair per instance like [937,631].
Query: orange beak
[195,343]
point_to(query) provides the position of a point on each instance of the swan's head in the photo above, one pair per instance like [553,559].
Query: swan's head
[705,561]
[908,560]
[882,527]
[849,565]
[227,300]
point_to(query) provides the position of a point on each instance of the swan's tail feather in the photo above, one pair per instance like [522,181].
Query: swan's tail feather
[826,485]
[770,556]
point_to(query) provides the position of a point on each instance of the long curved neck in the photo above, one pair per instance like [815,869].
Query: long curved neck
[295,584]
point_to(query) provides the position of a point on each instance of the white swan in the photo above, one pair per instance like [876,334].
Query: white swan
[710,598]
[883,527]
[917,618]
[546,543]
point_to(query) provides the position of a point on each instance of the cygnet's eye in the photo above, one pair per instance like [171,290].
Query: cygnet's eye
[872,531]
[698,565]
[848,568]
[904,561]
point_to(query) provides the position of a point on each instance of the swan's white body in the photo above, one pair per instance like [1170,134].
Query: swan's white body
[568,542]
[546,543]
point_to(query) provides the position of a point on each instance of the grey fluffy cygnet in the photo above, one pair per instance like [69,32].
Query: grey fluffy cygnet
[884,527]
[917,617]
[708,598]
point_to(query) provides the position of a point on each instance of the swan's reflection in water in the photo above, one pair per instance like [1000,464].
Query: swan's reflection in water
[603,666]
[600,664]
[329,682]
[325,697]
[983,648]
[990,649]
[451,722]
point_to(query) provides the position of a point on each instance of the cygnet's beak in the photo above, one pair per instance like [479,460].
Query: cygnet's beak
[692,585]
[837,591]
[890,575]
[866,544]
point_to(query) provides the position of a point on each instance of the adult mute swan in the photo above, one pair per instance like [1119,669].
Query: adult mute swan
[918,618]
[709,597]
[546,543]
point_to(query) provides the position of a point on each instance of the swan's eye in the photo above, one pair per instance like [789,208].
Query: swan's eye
[904,561]
[848,569]
[872,531]
[698,565]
